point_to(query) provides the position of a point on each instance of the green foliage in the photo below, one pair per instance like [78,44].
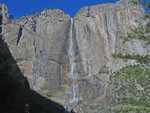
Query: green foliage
[144,3]
[139,32]
[133,109]
[125,81]
[147,15]
[131,84]
[148,27]
[139,58]
[136,2]
[137,73]
[118,55]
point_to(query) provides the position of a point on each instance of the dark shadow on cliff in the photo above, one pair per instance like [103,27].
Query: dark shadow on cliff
[15,93]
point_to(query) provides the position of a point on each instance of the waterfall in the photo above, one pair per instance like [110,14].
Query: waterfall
[72,64]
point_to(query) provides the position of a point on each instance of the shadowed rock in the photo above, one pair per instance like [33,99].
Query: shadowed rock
[15,93]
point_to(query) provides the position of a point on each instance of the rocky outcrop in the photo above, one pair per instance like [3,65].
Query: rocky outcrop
[40,43]
[97,32]
[4,13]
[15,93]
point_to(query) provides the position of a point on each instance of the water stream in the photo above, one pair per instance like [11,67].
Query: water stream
[72,64]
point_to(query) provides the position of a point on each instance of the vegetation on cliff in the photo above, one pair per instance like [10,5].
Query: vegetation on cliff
[140,32]
[131,90]
[138,58]
[131,85]
[132,109]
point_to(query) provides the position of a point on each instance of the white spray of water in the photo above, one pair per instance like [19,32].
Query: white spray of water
[72,64]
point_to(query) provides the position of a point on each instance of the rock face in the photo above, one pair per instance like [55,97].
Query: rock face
[40,43]
[4,13]
[97,34]
[15,93]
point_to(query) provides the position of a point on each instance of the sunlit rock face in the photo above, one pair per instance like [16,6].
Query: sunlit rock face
[71,61]
[97,32]
[39,45]
[16,96]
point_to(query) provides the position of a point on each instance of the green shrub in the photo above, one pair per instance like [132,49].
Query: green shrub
[139,32]
[118,55]
[137,73]
[136,2]
[147,15]
[133,109]
[139,58]
[125,81]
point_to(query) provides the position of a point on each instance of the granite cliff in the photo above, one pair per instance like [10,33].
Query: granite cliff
[79,62]
[16,96]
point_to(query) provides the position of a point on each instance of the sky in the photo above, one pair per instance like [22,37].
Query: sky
[19,8]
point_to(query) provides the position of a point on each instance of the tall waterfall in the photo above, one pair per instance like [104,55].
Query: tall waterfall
[72,64]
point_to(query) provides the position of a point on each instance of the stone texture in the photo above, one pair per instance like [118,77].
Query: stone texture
[97,35]
[98,30]
[4,14]
[15,93]
[39,45]
[40,42]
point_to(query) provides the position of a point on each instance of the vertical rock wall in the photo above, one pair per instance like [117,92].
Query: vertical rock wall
[39,43]
[97,32]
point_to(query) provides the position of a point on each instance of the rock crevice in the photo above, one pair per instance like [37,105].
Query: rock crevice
[44,39]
